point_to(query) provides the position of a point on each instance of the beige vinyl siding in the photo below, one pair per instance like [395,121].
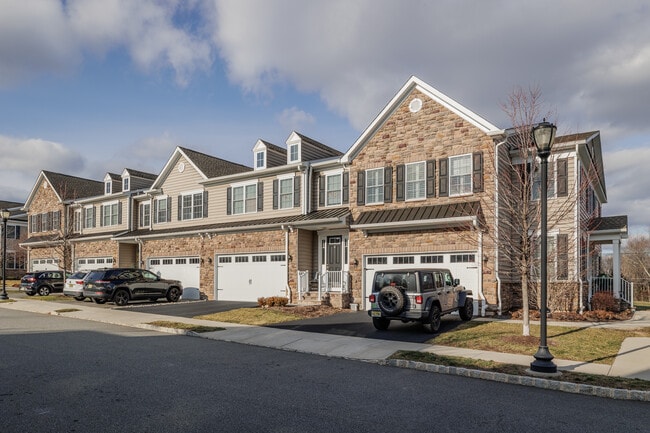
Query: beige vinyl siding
[306,251]
[98,229]
[127,255]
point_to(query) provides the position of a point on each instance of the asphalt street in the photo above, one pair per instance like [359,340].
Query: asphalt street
[62,375]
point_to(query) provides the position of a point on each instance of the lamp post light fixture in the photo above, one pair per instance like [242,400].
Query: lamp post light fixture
[4,214]
[543,135]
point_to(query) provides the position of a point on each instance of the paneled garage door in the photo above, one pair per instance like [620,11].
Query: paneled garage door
[246,277]
[44,265]
[185,269]
[463,266]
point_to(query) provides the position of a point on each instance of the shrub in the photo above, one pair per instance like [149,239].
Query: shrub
[273,301]
[604,301]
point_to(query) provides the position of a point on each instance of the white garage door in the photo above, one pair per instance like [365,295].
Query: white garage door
[45,265]
[462,266]
[246,277]
[185,269]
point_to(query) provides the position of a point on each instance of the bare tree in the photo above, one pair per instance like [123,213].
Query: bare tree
[635,265]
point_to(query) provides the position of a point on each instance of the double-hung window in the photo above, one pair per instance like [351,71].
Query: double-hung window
[375,186]
[293,153]
[334,189]
[125,184]
[260,159]
[416,181]
[537,182]
[244,199]
[286,193]
[161,210]
[89,217]
[110,214]
[192,206]
[145,214]
[460,175]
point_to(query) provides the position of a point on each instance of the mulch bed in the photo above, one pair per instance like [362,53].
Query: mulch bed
[587,316]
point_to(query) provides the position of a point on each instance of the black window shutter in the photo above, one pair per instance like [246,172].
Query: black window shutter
[38,222]
[119,212]
[155,211]
[346,187]
[276,199]
[169,209]
[321,190]
[296,191]
[260,196]
[388,184]
[180,208]
[58,219]
[562,257]
[562,178]
[361,188]
[477,172]
[205,204]
[431,178]
[229,201]
[17,232]
[101,216]
[30,229]
[443,187]
[399,183]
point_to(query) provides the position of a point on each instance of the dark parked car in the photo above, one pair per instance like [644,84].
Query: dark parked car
[42,282]
[418,295]
[120,285]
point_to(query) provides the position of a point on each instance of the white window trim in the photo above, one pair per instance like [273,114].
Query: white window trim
[424,181]
[327,174]
[258,152]
[192,194]
[379,186]
[77,223]
[110,204]
[85,219]
[243,185]
[552,175]
[140,214]
[289,147]
[471,181]
[126,184]
[158,200]
[108,187]
[280,179]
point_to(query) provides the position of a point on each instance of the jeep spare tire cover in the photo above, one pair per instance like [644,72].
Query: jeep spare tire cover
[391,300]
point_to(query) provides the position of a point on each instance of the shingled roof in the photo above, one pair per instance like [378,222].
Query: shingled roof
[212,166]
[71,187]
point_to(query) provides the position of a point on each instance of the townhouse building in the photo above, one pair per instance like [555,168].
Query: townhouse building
[421,186]
[16,257]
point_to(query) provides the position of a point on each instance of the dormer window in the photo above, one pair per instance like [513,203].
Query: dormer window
[107,187]
[260,159]
[125,184]
[293,153]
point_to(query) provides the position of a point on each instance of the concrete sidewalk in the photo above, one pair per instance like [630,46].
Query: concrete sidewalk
[633,360]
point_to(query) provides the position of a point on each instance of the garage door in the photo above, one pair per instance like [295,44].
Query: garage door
[44,265]
[184,269]
[462,266]
[246,277]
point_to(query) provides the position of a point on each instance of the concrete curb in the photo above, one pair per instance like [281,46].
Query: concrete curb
[536,382]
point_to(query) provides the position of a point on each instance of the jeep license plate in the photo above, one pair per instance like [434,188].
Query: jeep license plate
[375,314]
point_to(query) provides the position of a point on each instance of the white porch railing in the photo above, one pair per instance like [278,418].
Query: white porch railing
[303,284]
[606,284]
[330,281]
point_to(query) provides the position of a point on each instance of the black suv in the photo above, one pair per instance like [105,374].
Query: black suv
[120,285]
[43,282]
[418,295]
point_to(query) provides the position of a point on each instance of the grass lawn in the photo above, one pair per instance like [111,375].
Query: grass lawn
[642,306]
[252,316]
[185,326]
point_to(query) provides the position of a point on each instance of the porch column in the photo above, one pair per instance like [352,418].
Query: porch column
[616,267]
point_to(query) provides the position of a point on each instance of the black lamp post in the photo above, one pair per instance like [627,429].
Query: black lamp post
[5,214]
[543,135]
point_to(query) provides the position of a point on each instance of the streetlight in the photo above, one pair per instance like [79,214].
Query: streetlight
[543,135]
[5,214]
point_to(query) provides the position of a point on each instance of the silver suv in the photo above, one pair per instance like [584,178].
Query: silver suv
[418,295]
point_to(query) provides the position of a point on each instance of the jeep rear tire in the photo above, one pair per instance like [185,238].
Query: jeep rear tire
[467,311]
[432,325]
[391,300]
[380,323]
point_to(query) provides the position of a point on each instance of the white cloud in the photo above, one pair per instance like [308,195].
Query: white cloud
[294,119]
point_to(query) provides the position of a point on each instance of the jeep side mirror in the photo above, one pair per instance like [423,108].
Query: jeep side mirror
[456,282]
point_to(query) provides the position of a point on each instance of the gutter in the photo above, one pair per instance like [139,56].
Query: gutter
[480,268]
[496,233]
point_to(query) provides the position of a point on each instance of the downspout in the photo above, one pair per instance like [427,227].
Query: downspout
[480,267]
[496,232]
[139,241]
[287,230]
[576,174]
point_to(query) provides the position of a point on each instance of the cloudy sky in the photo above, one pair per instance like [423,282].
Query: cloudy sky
[90,86]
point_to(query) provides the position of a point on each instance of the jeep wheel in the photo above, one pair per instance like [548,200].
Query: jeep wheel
[121,298]
[391,300]
[380,323]
[174,294]
[467,311]
[43,290]
[99,301]
[432,325]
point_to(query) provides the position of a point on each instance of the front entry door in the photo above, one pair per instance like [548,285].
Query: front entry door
[333,259]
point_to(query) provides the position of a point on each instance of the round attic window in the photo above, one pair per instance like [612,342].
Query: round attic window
[181,167]
[415,105]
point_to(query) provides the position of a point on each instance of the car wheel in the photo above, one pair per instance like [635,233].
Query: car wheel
[174,294]
[433,322]
[380,323]
[99,301]
[43,291]
[466,311]
[79,298]
[121,298]
[30,293]
[391,300]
